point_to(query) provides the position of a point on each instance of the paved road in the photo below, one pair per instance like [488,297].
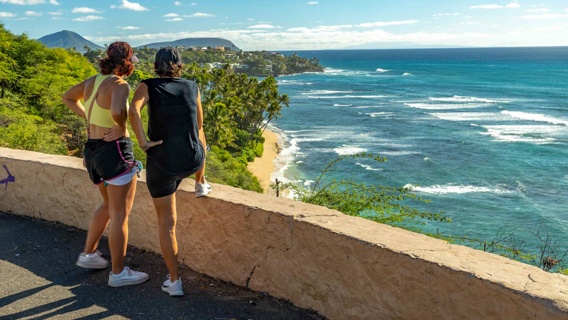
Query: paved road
[39,280]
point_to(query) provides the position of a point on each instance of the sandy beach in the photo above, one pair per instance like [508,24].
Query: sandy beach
[263,167]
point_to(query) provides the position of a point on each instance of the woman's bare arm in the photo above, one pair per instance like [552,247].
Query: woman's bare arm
[139,100]
[71,98]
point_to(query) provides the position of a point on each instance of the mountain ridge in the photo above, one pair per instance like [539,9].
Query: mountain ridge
[193,42]
[69,39]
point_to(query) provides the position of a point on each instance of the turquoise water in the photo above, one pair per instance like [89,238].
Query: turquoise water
[483,133]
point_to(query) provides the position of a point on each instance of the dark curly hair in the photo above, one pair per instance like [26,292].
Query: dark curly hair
[168,69]
[168,62]
[118,56]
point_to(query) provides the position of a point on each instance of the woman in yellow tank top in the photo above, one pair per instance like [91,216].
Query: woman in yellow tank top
[109,160]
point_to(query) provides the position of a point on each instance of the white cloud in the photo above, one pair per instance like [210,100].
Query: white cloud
[88,18]
[194,4]
[23,2]
[262,26]
[313,2]
[55,13]
[129,28]
[54,2]
[453,14]
[171,15]
[7,15]
[386,23]
[177,3]
[512,5]
[487,6]
[320,28]
[199,15]
[544,16]
[543,10]
[33,14]
[84,10]
[174,19]
[130,6]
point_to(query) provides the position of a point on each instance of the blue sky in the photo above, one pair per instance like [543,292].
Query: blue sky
[299,25]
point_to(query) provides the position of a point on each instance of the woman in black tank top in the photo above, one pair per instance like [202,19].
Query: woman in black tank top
[175,147]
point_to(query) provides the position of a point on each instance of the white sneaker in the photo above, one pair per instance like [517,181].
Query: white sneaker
[92,260]
[126,278]
[202,189]
[173,288]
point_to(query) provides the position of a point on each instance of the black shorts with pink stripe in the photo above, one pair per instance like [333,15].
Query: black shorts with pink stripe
[108,160]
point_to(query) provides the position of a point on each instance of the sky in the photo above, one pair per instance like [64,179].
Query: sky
[299,24]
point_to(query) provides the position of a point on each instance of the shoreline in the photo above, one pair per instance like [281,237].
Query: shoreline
[263,167]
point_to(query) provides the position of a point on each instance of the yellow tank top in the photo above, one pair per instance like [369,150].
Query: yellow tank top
[99,116]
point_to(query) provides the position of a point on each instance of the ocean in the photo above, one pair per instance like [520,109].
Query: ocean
[482,133]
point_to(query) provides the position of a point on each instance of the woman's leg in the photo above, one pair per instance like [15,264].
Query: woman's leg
[121,199]
[98,223]
[167,218]
[200,174]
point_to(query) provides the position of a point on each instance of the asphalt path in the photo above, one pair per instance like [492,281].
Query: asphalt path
[39,280]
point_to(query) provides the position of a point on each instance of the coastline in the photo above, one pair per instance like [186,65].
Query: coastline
[263,167]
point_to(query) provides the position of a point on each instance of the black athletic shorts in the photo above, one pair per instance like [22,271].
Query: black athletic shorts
[160,182]
[107,160]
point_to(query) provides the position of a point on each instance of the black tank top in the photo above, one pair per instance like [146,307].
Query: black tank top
[172,117]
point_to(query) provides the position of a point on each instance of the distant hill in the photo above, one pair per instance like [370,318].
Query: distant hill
[68,39]
[193,42]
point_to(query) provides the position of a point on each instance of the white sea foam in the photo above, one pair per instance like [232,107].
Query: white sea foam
[348,96]
[307,183]
[342,72]
[368,167]
[471,116]
[347,150]
[377,114]
[327,91]
[538,134]
[293,82]
[331,70]
[341,105]
[367,107]
[535,117]
[455,189]
[445,106]
[466,99]
[398,153]
[286,157]
[406,74]
[381,70]
[326,134]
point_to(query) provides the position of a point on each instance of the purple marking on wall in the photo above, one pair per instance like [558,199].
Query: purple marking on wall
[10,178]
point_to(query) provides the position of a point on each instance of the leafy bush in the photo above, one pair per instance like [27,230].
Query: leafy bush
[29,132]
[223,168]
[383,204]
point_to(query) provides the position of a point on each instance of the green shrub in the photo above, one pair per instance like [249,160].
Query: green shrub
[29,132]
[223,168]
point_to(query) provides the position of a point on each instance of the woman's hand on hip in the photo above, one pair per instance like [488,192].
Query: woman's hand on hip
[114,133]
[151,144]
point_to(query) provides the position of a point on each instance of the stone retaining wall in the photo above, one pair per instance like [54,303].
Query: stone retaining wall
[340,266]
